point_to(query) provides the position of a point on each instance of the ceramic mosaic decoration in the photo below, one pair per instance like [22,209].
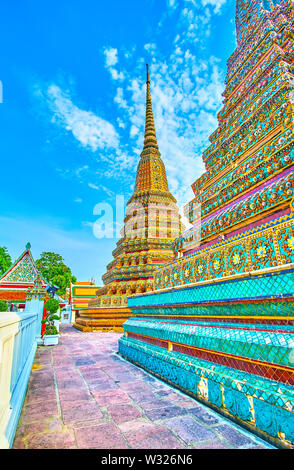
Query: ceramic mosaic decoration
[220,323]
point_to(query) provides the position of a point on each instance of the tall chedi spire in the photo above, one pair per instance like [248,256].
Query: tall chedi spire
[151,224]
[150,134]
[151,182]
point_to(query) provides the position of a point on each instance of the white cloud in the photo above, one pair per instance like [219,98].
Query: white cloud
[111,59]
[116,75]
[110,56]
[150,48]
[134,131]
[216,3]
[172,4]
[90,130]
[100,187]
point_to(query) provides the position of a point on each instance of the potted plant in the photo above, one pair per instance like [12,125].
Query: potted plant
[3,306]
[51,335]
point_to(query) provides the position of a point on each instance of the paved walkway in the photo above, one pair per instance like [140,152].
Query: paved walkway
[82,395]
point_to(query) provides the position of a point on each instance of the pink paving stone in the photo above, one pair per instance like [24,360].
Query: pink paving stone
[39,386]
[18,443]
[91,370]
[137,426]
[186,403]
[103,364]
[212,445]
[35,412]
[32,428]
[81,411]
[71,384]
[98,376]
[160,438]
[110,397]
[60,365]
[171,396]
[124,412]
[65,374]
[55,425]
[106,436]
[74,395]
[56,440]
[123,378]
[43,360]
[260,446]
[136,386]
[100,386]
[38,395]
[141,396]
[154,403]
[41,381]
[85,424]
[189,430]
[165,412]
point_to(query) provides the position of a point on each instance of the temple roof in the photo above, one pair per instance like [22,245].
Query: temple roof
[22,273]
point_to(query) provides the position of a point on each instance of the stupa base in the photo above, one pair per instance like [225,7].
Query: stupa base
[102,319]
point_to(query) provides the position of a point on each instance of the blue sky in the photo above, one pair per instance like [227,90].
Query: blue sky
[72,117]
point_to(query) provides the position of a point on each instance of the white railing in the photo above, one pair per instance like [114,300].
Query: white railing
[17,351]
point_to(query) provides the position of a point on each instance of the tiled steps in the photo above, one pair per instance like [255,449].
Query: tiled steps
[262,405]
[274,345]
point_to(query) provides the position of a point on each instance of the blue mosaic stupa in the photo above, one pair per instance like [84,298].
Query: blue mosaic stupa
[220,324]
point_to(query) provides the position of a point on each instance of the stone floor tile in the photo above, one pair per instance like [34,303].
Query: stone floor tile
[83,361]
[151,404]
[18,443]
[232,435]
[165,412]
[56,440]
[186,403]
[189,430]
[81,411]
[85,424]
[36,412]
[123,412]
[140,425]
[214,444]
[102,385]
[204,415]
[38,395]
[55,424]
[160,438]
[105,436]
[32,428]
[110,397]
[71,384]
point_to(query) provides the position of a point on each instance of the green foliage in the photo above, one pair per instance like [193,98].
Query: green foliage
[51,330]
[3,306]
[52,305]
[5,260]
[55,271]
